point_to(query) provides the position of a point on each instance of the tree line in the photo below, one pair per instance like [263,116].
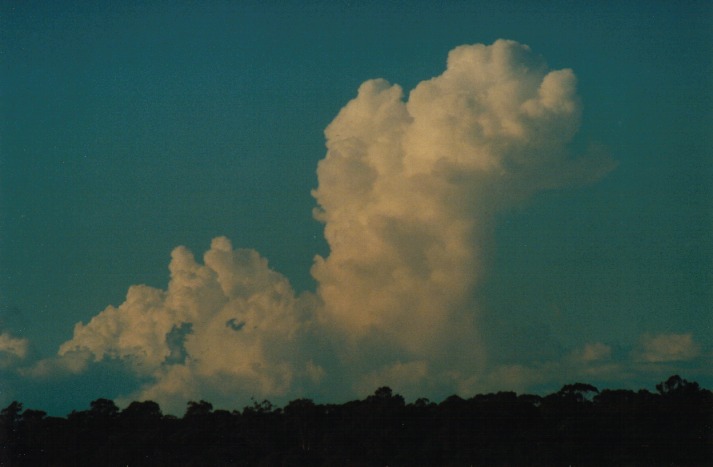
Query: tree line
[578,425]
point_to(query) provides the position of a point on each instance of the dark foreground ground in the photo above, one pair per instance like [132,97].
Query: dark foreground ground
[578,426]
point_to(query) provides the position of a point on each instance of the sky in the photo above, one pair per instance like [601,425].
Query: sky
[271,200]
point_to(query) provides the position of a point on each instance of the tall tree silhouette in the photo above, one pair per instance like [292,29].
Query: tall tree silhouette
[577,425]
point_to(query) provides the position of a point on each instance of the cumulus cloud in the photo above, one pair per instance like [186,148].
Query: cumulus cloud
[662,348]
[407,194]
[230,323]
[597,361]
[12,349]
[73,362]
[593,352]
[408,190]
[590,361]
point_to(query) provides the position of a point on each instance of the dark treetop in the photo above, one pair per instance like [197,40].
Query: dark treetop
[578,425]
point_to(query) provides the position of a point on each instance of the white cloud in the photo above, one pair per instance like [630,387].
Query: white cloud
[593,352]
[407,192]
[231,322]
[72,362]
[661,348]
[12,349]
[590,363]
[593,360]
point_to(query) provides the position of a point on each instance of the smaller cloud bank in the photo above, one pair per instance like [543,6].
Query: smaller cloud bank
[12,349]
[663,348]
[650,360]
[593,353]
[231,325]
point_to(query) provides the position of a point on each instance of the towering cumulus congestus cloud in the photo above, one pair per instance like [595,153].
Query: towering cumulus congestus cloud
[407,193]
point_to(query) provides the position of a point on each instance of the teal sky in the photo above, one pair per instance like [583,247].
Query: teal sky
[132,128]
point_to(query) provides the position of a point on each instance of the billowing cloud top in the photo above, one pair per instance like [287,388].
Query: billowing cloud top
[408,189]
[407,193]
[231,321]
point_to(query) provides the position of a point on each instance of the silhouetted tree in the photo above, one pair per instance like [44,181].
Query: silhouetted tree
[579,392]
[305,425]
[675,386]
[141,446]
[681,422]
[10,432]
[104,409]
[577,425]
[198,409]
